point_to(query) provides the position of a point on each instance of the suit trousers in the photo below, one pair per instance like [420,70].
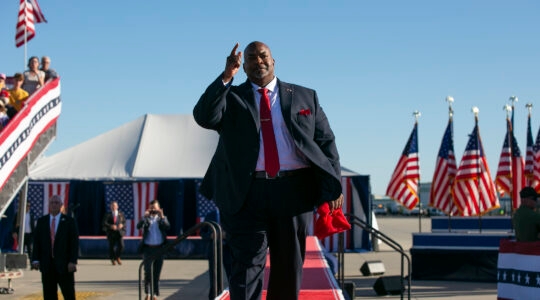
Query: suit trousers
[275,216]
[152,271]
[28,242]
[51,279]
[116,244]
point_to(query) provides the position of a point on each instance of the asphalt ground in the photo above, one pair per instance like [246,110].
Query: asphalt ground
[188,279]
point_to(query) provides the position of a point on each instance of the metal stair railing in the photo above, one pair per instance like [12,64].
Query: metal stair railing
[217,252]
[354,220]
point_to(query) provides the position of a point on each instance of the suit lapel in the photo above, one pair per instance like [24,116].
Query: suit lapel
[285,96]
[246,90]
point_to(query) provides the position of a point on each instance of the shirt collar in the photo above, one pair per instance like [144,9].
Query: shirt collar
[271,86]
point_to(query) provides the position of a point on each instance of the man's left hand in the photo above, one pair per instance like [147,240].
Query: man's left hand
[336,204]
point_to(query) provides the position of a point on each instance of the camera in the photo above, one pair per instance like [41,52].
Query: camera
[153,212]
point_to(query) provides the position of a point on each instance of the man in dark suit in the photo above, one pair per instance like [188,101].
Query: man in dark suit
[114,225]
[56,246]
[275,160]
[29,228]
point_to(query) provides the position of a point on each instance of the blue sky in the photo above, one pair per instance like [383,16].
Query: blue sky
[373,63]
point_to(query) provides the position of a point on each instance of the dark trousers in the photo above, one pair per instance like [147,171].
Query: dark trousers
[28,242]
[152,272]
[116,244]
[51,279]
[275,216]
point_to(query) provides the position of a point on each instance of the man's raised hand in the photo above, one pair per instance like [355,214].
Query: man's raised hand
[234,61]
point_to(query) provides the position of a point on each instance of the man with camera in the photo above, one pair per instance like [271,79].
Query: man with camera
[154,225]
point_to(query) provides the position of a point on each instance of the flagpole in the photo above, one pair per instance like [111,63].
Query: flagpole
[530,176]
[450,101]
[25,40]
[416,115]
[509,109]
[475,111]
[513,99]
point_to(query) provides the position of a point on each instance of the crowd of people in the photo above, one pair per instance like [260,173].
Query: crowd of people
[21,86]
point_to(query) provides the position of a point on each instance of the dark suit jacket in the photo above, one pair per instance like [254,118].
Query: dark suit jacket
[66,244]
[232,111]
[108,220]
[144,223]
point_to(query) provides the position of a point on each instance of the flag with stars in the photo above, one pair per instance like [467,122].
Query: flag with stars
[518,270]
[403,186]
[133,199]
[536,167]
[204,205]
[445,172]
[40,192]
[474,191]
[510,177]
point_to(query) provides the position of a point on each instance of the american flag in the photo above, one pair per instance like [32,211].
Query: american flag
[473,190]
[403,186]
[29,13]
[445,173]
[529,157]
[40,192]
[510,177]
[133,199]
[204,206]
[536,170]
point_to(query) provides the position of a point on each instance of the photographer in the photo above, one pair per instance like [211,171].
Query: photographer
[155,224]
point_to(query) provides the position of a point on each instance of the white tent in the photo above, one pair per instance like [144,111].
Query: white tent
[149,148]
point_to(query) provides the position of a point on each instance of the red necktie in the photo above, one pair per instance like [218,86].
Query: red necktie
[53,229]
[114,219]
[271,158]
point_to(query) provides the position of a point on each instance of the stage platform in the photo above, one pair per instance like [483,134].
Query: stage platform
[318,282]
[461,249]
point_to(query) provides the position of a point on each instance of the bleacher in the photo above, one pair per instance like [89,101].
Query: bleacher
[26,137]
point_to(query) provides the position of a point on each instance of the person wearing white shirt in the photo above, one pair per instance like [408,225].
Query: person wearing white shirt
[29,227]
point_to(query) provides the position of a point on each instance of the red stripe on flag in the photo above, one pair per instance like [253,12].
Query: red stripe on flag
[29,13]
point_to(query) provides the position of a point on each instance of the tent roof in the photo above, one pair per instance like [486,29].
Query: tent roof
[150,147]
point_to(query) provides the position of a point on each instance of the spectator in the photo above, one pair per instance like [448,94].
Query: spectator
[114,224]
[154,225]
[17,95]
[526,219]
[34,78]
[2,81]
[29,228]
[4,119]
[4,98]
[45,67]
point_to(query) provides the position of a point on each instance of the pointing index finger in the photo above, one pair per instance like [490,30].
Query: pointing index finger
[233,52]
